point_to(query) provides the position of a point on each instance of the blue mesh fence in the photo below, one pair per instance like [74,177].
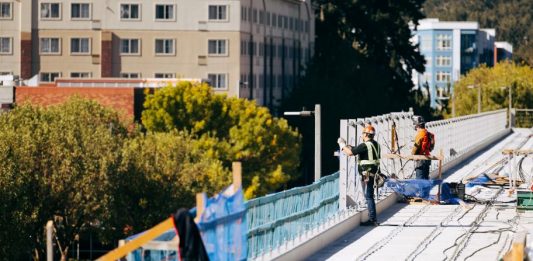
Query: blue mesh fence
[277,218]
[236,230]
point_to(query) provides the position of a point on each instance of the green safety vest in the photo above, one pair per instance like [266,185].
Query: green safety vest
[370,161]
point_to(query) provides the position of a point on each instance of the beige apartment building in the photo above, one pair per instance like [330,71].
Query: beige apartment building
[254,49]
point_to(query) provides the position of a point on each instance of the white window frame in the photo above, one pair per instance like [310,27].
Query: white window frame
[129,43]
[165,75]
[139,11]
[443,61]
[49,75]
[165,19]
[216,84]
[50,48]
[442,39]
[444,77]
[10,6]
[81,18]
[217,47]
[218,13]
[81,75]
[172,44]
[50,6]
[10,45]
[81,53]
[128,75]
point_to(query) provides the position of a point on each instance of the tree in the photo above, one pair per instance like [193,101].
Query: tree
[493,96]
[361,67]
[512,20]
[229,129]
[56,164]
[160,173]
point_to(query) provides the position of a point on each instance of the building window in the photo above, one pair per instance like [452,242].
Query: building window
[444,77]
[444,42]
[6,45]
[51,11]
[218,12]
[217,47]
[129,46]
[79,46]
[80,11]
[217,81]
[80,75]
[130,75]
[428,61]
[50,46]
[164,46]
[130,12]
[5,11]
[444,61]
[164,75]
[164,12]
[49,76]
[274,19]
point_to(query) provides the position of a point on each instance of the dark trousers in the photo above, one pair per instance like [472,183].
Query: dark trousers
[422,169]
[369,197]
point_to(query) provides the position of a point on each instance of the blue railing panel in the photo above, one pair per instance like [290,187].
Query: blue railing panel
[277,218]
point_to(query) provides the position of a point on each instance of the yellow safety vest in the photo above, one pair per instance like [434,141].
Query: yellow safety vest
[370,161]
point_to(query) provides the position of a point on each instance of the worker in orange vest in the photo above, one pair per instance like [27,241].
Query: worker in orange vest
[422,146]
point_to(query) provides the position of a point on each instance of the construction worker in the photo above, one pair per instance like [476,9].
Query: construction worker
[421,147]
[368,165]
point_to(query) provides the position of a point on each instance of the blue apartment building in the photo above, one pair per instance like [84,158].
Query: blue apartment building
[451,49]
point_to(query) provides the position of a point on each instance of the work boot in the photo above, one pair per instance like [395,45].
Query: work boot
[370,223]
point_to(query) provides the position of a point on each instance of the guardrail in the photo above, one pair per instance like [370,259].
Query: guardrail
[277,218]
[457,137]
[523,118]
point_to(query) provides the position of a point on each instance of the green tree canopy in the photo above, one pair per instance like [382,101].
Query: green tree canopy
[161,172]
[493,81]
[362,66]
[56,164]
[229,129]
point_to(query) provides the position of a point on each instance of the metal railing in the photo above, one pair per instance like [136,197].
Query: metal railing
[456,137]
[277,218]
[523,118]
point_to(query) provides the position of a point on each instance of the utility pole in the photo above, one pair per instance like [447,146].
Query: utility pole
[318,146]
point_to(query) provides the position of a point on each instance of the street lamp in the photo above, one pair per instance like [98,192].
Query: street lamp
[318,145]
[478,95]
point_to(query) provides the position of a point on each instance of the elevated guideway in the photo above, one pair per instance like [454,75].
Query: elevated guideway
[482,231]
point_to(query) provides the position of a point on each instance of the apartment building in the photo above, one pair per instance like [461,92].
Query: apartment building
[253,49]
[451,49]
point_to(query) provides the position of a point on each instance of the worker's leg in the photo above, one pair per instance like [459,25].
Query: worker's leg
[369,197]
[422,169]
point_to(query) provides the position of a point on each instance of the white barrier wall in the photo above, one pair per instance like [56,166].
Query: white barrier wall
[457,137]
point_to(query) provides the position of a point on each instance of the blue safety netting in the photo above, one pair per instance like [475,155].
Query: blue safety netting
[222,226]
[413,187]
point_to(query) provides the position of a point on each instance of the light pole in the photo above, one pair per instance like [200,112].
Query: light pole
[478,95]
[318,145]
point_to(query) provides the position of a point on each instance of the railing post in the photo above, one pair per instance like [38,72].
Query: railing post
[49,246]
[343,167]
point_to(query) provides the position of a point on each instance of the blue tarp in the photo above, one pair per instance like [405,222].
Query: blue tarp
[413,187]
[421,188]
[479,180]
[223,228]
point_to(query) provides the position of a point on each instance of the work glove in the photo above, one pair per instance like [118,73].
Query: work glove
[341,142]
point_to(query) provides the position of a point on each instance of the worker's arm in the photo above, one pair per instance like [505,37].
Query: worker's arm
[349,150]
[418,143]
